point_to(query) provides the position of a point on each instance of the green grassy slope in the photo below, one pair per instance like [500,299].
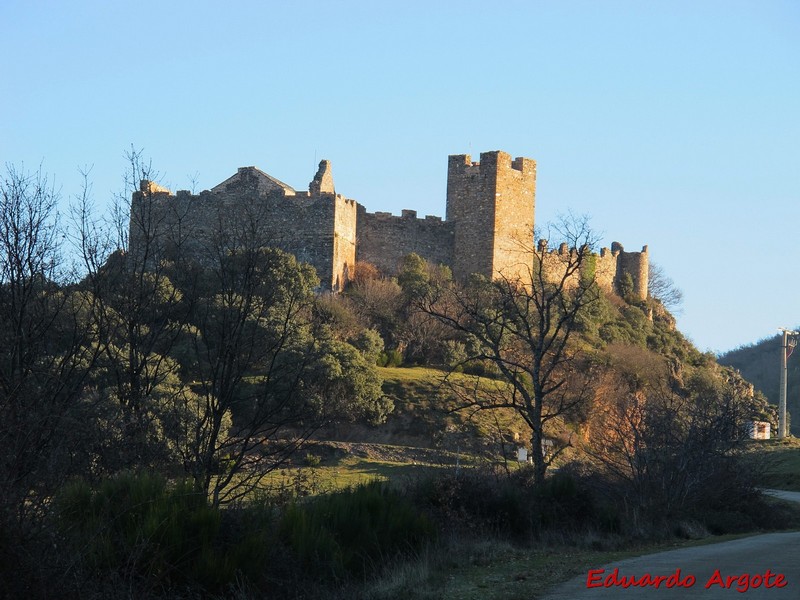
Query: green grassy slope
[426,415]
[780,463]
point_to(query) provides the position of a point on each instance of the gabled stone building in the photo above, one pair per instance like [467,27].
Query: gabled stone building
[488,228]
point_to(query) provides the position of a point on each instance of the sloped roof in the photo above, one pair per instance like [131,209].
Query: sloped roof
[251,178]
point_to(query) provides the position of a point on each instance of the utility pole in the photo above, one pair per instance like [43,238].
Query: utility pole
[787,343]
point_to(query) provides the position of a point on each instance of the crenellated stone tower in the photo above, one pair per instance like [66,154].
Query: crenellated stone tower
[491,204]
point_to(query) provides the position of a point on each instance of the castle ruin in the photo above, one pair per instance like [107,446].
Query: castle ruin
[488,229]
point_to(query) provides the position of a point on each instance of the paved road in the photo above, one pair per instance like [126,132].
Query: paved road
[754,556]
[783,495]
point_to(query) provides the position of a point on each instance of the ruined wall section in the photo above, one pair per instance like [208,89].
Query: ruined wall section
[608,268]
[554,264]
[323,180]
[613,265]
[384,239]
[332,227]
[344,241]
[155,230]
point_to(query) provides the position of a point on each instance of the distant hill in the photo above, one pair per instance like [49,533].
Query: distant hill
[760,364]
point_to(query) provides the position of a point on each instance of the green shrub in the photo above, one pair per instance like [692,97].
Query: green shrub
[454,354]
[510,506]
[482,368]
[478,500]
[135,520]
[561,501]
[625,287]
[722,522]
[352,532]
[370,343]
[138,525]
[390,358]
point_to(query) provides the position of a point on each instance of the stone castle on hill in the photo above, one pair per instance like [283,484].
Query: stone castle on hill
[488,228]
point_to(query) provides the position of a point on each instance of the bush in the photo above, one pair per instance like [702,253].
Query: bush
[351,532]
[370,343]
[562,501]
[511,506]
[390,358]
[135,525]
[454,354]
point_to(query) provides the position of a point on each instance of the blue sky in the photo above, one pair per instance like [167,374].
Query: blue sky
[673,124]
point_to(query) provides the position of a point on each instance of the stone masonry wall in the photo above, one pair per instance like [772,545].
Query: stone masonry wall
[384,239]
[515,203]
[298,223]
[606,269]
[555,263]
[610,266]
[635,263]
[344,241]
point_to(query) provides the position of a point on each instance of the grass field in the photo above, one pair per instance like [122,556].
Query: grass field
[330,466]
[780,462]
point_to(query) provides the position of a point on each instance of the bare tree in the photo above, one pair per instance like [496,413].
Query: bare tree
[668,447]
[46,348]
[525,328]
[138,312]
[378,302]
[661,287]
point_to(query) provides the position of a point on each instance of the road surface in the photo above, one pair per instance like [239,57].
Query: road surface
[763,566]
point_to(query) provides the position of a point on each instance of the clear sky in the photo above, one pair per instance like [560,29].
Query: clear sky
[673,124]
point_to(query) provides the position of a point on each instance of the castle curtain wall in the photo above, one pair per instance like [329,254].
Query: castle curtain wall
[384,239]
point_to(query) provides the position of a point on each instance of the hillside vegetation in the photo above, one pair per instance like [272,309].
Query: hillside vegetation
[759,363]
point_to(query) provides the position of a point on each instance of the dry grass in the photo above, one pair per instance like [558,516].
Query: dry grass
[490,569]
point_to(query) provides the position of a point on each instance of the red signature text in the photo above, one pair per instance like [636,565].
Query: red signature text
[614,579]
[599,578]
[746,581]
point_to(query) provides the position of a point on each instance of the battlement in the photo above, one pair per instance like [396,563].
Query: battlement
[609,266]
[462,163]
[404,214]
[490,162]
